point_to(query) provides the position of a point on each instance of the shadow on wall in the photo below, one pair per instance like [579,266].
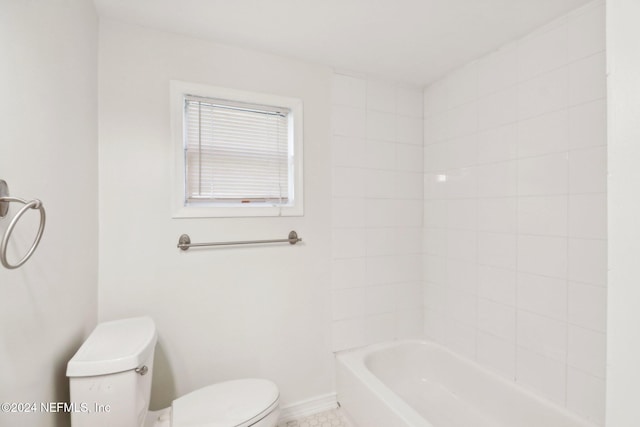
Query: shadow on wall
[163,388]
[61,381]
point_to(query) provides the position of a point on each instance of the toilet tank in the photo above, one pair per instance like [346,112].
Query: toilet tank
[110,375]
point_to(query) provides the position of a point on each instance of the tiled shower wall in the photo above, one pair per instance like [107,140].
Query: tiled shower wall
[377,151]
[515,211]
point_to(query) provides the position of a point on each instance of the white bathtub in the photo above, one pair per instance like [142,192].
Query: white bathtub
[422,384]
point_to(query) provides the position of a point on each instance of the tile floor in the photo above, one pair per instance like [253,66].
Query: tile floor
[330,418]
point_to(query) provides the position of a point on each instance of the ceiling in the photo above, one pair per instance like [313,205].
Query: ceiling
[414,41]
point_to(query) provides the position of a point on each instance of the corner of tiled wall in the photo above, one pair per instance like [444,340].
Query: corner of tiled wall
[377,211]
[515,211]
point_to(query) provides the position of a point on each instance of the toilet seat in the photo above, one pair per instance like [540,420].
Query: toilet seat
[237,403]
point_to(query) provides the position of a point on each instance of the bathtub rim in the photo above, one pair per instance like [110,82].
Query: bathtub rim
[356,360]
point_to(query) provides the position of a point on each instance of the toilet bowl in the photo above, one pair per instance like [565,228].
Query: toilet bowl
[110,384]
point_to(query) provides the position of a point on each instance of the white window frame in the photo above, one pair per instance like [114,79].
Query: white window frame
[181,209]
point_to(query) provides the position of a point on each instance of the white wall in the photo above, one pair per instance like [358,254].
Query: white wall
[48,134]
[515,211]
[623,334]
[221,313]
[377,211]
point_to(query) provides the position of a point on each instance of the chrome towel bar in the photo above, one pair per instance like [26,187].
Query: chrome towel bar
[184,242]
[5,200]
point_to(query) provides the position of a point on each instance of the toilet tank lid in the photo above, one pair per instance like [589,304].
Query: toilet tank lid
[115,346]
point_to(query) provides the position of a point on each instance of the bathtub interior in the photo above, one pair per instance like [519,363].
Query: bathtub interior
[448,390]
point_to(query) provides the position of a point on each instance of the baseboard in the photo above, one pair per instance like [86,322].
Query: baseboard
[308,407]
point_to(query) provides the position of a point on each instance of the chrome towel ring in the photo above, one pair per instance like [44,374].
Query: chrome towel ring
[5,199]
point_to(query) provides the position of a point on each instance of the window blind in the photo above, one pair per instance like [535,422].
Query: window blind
[235,152]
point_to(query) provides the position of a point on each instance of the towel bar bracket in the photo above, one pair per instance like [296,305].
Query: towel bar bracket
[4,204]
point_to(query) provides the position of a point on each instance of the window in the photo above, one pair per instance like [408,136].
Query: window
[237,153]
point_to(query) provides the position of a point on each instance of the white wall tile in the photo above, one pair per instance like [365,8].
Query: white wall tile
[460,338]
[409,101]
[436,157]
[588,170]
[435,241]
[463,120]
[587,79]
[347,334]
[436,128]
[410,324]
[409,268]
[497,179]
[409,296]
[588,124]
[409,130]
[408,213]
[380,184]
[434,269]
[379,213]
[498,214]
[435,98]
[462,245]
[497,319]
[545,216]
[544,134]
[587,350]
[498,109]
[543,94]
[497,250]
[586,31]
[409,240]
[462,214]
[347,212]
[348,182]
[497,284]
[349,91]
[498,70]
[497,354]
[348,273]
[381,270]
[586,395]
[379,299]
[380,155]
[462,152]
[347,303]
[409,158]
[379,328]
[515,203]
[409,185]
[546,256]
[543,51]
[542,374]
[381,126]
[348,243]
[348,121]
[462,85]
[588,216]
[544,175]
[542,335]
[462,275]
[381,241]
[435,213]
[497,144]
[588,261]
[588,306]
[546,296]
[457,183]
[381,96]
[347,151]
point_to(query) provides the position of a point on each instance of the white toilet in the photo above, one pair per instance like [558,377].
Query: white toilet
[110,382]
